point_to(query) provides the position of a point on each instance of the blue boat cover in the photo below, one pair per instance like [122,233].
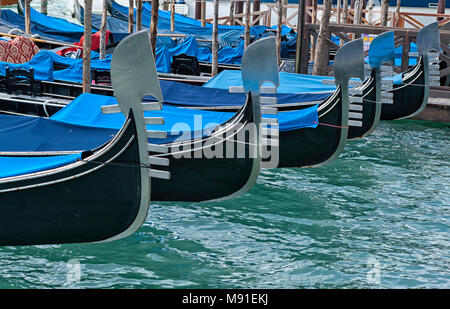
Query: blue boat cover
[289,83]
[81,126]
[42,63]
[86,111]
[46,26]
[399,51]
[183,24]
[381,48]
[189,95]
[15,166]
[41,134]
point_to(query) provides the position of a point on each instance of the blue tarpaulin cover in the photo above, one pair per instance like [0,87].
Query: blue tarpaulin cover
[81,126]
[86,111]
[42,64]
[190,95]
[289,82]
[15,166]
[22,133]
[46,26]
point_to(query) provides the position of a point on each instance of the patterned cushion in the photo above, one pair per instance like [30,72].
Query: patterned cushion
[19,50]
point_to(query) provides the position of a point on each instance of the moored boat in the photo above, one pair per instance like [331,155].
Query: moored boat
[100,194]
[411,88]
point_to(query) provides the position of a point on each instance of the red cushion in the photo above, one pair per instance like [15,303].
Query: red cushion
[19,50]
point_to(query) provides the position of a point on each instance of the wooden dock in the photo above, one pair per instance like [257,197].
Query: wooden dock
[438,107]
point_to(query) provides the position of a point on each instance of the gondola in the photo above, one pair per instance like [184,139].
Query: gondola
[381,52]
[96,195]
[303,147]
[382,49]
[445,80]
[411,93]
[215,177]
[119,22]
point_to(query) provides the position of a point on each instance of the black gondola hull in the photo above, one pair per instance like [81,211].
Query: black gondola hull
[83,202]
[313,146]
[408,97]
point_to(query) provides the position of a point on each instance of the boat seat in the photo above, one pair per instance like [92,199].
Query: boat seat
[19,79]
[185,65]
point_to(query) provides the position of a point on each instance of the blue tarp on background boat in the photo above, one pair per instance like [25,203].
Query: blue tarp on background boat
[190,95]
[81,126]
[289,83]
[86,111]
[183,24]
[46,26]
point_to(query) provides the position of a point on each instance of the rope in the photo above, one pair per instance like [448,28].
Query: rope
[330,125]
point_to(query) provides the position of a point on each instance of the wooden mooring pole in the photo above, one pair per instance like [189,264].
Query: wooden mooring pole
[256,8]
[203,12]
[396,20]
[370,14]
[172,15]
[44,5]
[198,9]
[154,25]
[239,8]
[301,60]
[322,49]
[313,21]
[338,11]
[358,12]
[138,15]
[247,24]
[358,15]
[215,39]
[130,16]
[279,24]
[441,9]
[345,11]
[103,30]
[232,5]
[87,80]
[384,12]
[27,17]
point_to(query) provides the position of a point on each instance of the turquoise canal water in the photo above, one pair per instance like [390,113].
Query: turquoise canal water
[378,217]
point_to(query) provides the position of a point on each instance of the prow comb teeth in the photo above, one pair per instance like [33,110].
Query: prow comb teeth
[157,148]
[159,174]
[433,69]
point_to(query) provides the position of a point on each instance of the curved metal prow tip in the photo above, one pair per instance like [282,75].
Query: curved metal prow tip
[349,62]
[133,72]
[428,39]
[446,26]
[382,50]
[260,64]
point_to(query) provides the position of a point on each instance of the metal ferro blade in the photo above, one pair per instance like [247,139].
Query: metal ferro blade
[349,62]
[428,39]
[259,65]
[133,75]
[133,72]
[382,50]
